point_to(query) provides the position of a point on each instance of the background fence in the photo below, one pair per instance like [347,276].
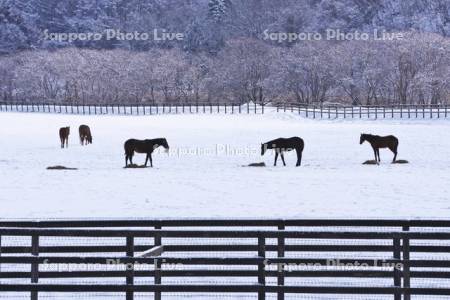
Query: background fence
[307,111]
[387,258]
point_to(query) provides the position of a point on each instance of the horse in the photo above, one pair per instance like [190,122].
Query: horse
[285,144]
[143,146]
[378,142]
[85,135]
[64,136]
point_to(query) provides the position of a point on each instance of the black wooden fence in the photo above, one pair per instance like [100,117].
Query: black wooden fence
[398,251]
[307,111]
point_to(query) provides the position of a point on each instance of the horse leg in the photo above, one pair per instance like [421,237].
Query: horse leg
[151,161]
[394,150]
[126,160]
[62,142]
[67,142]
[375,153]
[282,159]
[378,153]
[299,158]
[276,158]
[146,159]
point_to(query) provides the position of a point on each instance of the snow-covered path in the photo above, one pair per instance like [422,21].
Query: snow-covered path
[203,175]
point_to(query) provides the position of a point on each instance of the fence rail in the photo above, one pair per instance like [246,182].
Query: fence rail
[389,252]
[307,111]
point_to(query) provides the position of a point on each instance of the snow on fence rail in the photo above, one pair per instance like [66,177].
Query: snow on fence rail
[307,111]
[375,257]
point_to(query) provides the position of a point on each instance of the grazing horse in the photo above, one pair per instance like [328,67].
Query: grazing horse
[85,135]
[280,145]
[143,146]
[64,136]
[378,142]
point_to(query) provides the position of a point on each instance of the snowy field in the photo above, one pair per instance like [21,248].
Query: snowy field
[202,176]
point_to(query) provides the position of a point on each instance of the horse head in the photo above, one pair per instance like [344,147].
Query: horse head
[362,138]
[165,145]
[263,149]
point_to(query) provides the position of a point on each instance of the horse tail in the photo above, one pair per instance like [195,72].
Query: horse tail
[128,149]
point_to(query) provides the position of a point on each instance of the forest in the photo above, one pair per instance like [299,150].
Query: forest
[224,53]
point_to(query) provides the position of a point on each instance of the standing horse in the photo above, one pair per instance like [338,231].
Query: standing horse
[280,145]
[378,142]
[64,136]
[85,135]
[143,146]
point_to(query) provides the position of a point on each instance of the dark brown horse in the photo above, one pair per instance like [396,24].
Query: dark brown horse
[64,136]
[85,135]
[378,142]
[143,146]
[280,145]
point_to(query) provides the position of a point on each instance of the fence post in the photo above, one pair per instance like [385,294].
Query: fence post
[34,266]
[280,267]
[261,267]
[0,252]
[397,272]
[157,279]
[406,265]
[130,268]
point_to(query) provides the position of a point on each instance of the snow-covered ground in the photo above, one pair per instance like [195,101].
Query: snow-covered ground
[202,176]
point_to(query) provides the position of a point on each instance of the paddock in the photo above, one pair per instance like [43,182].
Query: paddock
[205,162]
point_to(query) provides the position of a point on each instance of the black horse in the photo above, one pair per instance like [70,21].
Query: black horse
[143,146]
[378,142]
[280,145]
